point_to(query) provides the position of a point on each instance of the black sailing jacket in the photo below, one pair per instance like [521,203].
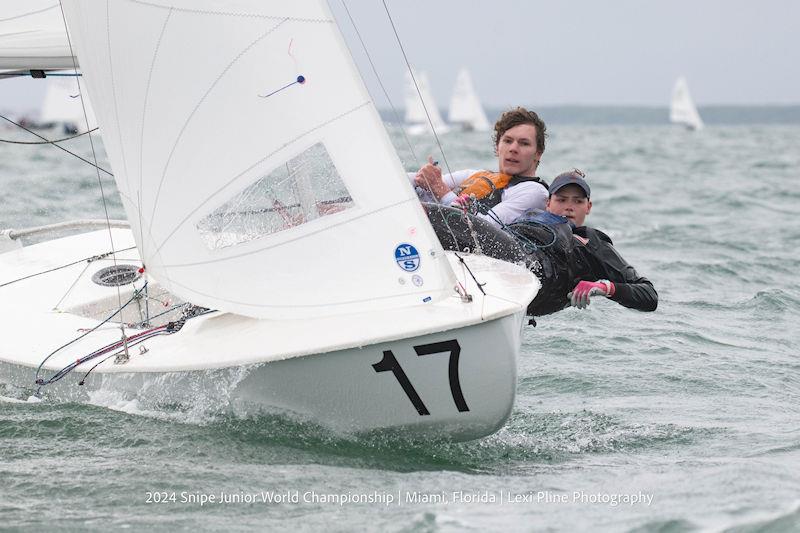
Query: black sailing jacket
[598,259]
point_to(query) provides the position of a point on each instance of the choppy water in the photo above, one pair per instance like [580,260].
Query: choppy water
[695,405]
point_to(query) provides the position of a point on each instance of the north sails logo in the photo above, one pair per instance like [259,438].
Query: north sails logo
[407,257]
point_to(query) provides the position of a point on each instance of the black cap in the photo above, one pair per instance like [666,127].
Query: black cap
[573,177]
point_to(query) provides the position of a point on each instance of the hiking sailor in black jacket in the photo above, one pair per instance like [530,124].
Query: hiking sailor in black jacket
[600,269]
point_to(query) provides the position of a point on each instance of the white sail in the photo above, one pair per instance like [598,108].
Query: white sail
[465,106]
[415,118]
[255,172]
[32,36]
[62,103]
[683,110]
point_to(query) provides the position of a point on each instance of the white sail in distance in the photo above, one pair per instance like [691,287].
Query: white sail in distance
[255,171]
[62,104]
[415,117]
[682,108]
[465,106]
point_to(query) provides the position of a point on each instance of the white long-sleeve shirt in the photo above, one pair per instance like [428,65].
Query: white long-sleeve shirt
[515,201]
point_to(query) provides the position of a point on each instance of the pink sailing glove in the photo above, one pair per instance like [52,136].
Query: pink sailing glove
[584,290]
[463,201]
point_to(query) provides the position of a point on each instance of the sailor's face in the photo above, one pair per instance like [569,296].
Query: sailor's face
[516,151]
[570,202]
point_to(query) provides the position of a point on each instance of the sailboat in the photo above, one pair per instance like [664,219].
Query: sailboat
[63,106]
[682,109]
[273,246]
[417,115]
[465,106]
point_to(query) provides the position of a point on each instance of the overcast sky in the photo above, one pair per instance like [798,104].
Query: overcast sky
[531,52]
[625,52]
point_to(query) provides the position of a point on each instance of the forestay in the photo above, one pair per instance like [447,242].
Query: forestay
[32,36]
[253,167]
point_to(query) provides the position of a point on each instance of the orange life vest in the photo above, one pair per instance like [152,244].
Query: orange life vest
[482,184]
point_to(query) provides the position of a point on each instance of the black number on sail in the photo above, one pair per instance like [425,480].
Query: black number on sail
[390,363]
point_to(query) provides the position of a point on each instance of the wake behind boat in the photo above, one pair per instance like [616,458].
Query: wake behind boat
[296,260]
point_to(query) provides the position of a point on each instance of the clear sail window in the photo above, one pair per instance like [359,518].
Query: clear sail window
[305,188]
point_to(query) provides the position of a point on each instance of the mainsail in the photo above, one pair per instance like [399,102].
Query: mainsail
[255,172]
[683,110]
[32,36]
[465,107]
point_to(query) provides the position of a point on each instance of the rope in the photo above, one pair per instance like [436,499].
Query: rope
[79,337]
[430,122]
[133,340]
[414,79]
[94,157]
[56,145]
[169,328]
[397,118]
[89,259]
[9,141]
[466,266]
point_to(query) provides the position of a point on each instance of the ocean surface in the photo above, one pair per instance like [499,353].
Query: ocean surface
[685,419]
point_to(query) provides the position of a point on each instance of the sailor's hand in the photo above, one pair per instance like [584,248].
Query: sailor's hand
[462,201]
[584,290]
[429,178]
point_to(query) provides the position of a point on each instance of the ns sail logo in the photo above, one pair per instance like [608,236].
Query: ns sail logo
[407,257]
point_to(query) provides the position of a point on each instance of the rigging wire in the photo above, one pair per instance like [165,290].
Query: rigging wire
[89,259]
[9,141]
[136,294]
[380,83]
[430,122]
[416,86]
[190,311]
[94,156]
[48,141]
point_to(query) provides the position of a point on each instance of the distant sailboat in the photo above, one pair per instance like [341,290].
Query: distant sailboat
[416,119]
[62,106]
[683,110]
[465,107]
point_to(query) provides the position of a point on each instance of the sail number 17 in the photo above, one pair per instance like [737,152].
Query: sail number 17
[390,364]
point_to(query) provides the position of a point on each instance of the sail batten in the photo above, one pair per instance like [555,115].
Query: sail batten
[257,167]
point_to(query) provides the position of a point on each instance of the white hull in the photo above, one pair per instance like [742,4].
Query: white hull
[340,390]
[321,370]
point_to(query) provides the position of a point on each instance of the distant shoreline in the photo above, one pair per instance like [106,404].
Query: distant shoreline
[651,115]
